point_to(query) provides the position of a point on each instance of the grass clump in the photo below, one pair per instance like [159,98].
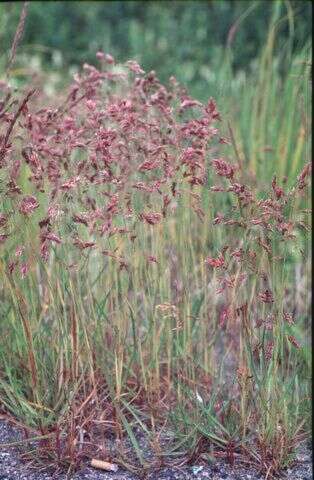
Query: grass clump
[149,281]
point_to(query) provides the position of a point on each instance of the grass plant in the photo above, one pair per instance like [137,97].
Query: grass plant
[151,251]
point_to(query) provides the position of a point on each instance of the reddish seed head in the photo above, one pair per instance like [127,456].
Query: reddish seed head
[28,205]
[3,238]
[134,67]
[269,321]
[123,265]
[82,245]
[269,350]
[109,58]
[11,267]
[71,183]
[148,165]
[219,219]
[259,322]
[19,251]
[51,237]
[223,168]
[266,296]
[24,270]
[217,188]
[278,192]
[225,314]
[288,318]
[152,259]
[285,228]
[80,219]
[215,262]
[305,172]
[44,251]
[294,341]
[151,218]
[238,254]
[211,109]
[44,223]
[188,103]
[3,219]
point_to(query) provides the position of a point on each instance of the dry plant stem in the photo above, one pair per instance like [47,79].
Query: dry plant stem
[17,37]
[5,140]
[22,308]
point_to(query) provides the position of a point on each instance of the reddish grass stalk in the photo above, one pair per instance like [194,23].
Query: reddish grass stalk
[17,36]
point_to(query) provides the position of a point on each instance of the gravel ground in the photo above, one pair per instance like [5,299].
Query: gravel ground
[13,468]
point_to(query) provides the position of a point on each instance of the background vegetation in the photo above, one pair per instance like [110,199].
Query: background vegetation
[187,39]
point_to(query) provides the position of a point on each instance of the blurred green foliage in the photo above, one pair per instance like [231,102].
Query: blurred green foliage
[187,39]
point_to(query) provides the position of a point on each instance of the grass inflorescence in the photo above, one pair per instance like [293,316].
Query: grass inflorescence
[153,270]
